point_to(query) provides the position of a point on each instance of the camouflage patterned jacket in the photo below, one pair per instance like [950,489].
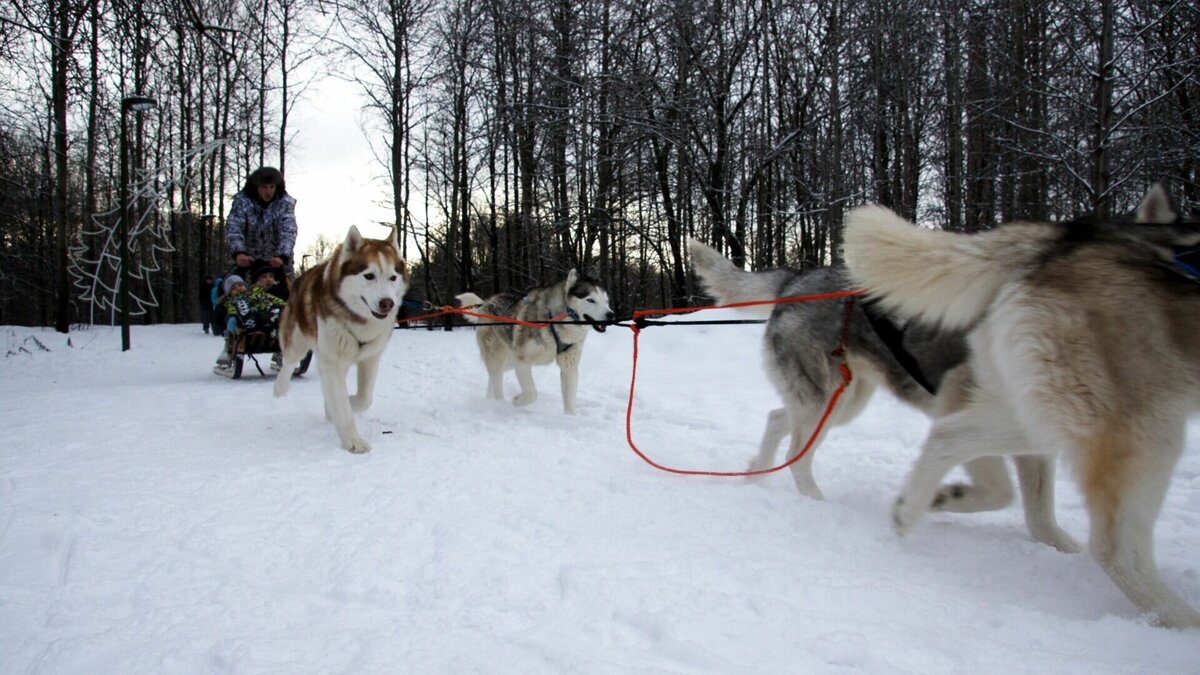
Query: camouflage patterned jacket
[255,309]
[262,231]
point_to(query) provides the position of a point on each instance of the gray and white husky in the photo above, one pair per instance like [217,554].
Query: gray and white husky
[800,354]
[1082,340]
[578,298]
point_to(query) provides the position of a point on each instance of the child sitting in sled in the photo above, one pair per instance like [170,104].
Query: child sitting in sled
[249,310]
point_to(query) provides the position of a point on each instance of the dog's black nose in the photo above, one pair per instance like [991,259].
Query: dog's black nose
[386,305]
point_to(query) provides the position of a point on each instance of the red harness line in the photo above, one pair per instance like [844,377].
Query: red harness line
[442,311]
[847,376]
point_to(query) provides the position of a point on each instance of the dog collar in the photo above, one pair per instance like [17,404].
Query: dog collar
[1187,262]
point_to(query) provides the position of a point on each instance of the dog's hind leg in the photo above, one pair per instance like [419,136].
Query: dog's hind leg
[802,470]
[808,432]
[528,393]
[495,364]
[1124,481]
[778,427]
[1035,473]
[495,386]
[803,426]
[495,355]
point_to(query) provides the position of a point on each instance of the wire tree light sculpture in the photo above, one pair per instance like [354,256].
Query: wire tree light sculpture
[95,265]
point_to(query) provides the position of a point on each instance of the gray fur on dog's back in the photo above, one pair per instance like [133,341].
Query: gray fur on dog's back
[801,337]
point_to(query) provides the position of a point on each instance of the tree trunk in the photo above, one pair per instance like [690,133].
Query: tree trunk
[60,63]
[1101,174]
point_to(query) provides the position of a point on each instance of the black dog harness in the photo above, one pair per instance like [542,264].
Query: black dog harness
[559,345]
[892,337]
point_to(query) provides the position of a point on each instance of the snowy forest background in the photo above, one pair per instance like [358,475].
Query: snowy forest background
[523,137]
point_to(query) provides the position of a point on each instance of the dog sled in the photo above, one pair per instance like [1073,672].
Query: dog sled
[256,334]
[255,346]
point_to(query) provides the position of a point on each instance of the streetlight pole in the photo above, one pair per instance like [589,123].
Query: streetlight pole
[137,104]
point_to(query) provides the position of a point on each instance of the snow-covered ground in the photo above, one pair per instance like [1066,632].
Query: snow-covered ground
[156,518]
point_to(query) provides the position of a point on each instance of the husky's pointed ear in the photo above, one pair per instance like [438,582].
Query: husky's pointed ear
[572,277]
[1156,207]
[354,240]
[394,238]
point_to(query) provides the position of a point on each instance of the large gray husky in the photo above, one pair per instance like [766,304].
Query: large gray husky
[578,298]
[800,342]
[1083,339]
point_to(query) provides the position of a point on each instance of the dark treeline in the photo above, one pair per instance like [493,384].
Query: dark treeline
[523,137]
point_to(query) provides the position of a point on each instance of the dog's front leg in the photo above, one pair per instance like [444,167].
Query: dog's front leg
[568,376]
[528,393]
[337,406]
[368,369]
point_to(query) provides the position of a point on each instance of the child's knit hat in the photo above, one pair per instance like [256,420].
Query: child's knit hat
[231,281]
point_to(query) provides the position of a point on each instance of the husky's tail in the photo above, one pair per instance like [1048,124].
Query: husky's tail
[470,301]
[729,284]
[943,277]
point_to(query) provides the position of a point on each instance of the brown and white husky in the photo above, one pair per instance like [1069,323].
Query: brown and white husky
[344,309]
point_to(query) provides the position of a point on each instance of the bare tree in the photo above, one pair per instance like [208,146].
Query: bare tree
[543,134]
[57,24]
[381,40]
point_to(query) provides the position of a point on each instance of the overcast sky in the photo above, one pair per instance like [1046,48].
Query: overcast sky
[331,171]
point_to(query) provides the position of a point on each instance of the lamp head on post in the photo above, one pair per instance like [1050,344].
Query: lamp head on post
[136,103]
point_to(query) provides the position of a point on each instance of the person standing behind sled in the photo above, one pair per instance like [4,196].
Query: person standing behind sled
[261,227]
[204,299]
